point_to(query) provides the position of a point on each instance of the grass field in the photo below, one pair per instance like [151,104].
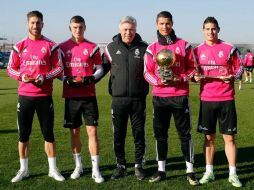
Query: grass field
[38,166]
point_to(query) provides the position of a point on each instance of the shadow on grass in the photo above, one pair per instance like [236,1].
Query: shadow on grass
[244,160]
[8,88]
[7,131]
[3,94]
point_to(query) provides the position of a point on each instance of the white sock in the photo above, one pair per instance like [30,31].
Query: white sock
[52,163]
[77,159]
[23,164]
[209,169]
[162,165]
[189,167]
[232,170]
[95,163]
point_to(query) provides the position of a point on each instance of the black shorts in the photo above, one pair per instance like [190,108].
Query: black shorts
[44,108]
[223,111]
[249,68]
[76,107]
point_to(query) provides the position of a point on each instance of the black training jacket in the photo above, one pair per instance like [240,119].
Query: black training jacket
[127,67]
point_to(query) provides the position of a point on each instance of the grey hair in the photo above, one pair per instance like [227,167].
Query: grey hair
[128,19]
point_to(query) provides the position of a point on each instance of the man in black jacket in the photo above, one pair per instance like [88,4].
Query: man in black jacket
[125,57]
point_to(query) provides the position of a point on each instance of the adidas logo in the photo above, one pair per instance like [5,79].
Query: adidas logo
[118,52]
[203,56]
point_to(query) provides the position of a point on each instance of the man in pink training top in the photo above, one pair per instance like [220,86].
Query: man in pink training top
[217,97]
[80,58]
[35,62]
[248,63]
[170,97]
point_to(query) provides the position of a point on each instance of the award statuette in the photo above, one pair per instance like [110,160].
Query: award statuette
[78,79]
[165,58]
[214,71]
[30,76]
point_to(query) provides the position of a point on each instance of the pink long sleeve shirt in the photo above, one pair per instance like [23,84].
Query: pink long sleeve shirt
[221,53]
[35,57]
[185,68]
[79,60]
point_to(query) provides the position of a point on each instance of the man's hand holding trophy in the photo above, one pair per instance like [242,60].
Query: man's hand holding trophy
[31,77]
[165,58]
[213,72]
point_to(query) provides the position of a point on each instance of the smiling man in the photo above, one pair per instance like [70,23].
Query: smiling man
[217,98]
[125,56]
[170,97]
[35,62]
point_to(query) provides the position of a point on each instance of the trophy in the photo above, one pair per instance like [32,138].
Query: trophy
[30,76]
[78,79]
[214,71]
[165,58]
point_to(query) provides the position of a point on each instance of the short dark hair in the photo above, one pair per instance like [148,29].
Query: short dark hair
[248,50]
[211,19]
[164,14]
[77,19]
[34,14]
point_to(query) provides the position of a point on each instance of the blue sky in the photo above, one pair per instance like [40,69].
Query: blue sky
[236,18]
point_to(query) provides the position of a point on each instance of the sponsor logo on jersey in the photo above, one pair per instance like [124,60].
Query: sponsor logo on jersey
[118,52]
[220,54]
[76,62]
[34,60]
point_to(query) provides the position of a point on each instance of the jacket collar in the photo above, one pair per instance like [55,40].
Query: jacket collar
[166,40]
[118,39]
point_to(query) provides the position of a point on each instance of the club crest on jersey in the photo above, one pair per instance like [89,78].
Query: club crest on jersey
[43,50]
[85,52]
[177,50]
[220,54]
[137,53]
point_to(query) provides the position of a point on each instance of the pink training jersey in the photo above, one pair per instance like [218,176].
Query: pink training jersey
[35,57]
[216,58]
[248,60]
[79,60]
[184,68]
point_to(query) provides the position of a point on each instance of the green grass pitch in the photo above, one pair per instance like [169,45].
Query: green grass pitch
[38,166]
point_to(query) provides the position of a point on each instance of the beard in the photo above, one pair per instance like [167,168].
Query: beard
[35,32]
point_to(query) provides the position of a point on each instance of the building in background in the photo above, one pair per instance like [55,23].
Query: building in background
[5,49]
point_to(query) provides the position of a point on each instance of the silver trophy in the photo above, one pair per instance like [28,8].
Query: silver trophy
[214,71]
[165,58]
